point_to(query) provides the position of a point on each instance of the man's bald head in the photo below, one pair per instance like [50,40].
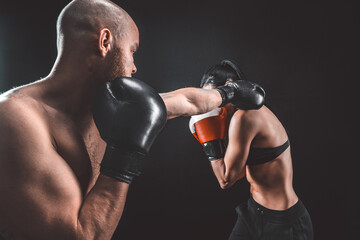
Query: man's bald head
[99,36]
[83,18]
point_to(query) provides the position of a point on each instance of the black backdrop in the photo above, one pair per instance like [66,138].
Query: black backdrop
[302,52]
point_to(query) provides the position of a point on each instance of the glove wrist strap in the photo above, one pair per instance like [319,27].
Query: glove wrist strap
[214,149]
[121,164]
[227,94]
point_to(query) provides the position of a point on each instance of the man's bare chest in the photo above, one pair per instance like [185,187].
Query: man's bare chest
[83,151]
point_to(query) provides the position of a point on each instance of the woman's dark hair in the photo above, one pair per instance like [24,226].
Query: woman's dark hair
[220,73]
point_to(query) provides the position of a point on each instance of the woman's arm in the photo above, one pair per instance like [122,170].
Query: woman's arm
[231,168]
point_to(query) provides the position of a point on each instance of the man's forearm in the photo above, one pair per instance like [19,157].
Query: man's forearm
[190,101]
[204,100]
[102,209]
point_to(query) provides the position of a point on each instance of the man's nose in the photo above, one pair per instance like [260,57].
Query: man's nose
[134,69]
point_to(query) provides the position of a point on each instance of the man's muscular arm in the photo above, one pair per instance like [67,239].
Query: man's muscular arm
[194,101]
[190,101]
[40,197]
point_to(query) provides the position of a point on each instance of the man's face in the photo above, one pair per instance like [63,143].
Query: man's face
[122,56]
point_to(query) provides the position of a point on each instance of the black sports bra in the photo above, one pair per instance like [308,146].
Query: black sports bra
[263,155]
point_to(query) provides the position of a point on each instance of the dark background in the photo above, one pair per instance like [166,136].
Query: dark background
[304,53]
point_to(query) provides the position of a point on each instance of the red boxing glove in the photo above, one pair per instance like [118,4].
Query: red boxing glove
[210,130]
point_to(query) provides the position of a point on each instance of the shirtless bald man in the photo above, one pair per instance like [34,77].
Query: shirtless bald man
[51,184]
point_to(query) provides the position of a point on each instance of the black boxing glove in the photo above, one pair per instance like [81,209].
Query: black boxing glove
[129,114]
[242,94]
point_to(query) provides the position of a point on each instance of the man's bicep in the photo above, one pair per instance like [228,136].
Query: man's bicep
[38,191]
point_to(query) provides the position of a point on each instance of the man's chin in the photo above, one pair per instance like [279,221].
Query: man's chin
[120,76]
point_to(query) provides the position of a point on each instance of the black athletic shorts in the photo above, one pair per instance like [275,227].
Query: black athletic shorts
[256,222]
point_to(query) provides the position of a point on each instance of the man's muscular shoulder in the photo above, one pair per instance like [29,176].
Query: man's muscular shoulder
[23,131]
[32,174]
[19,113]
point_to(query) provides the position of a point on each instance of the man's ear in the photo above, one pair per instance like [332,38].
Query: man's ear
[105,38]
